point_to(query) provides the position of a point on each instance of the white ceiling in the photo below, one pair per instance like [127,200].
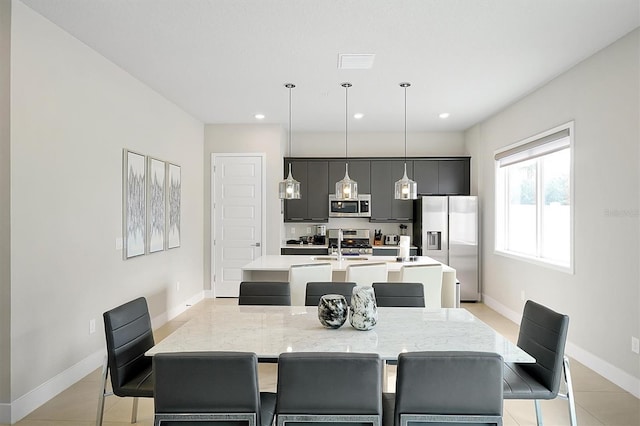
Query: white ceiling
[223,61]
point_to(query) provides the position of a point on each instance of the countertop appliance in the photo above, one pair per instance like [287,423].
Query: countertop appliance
[445,228]
[350,208]
[391,240]
[354,241]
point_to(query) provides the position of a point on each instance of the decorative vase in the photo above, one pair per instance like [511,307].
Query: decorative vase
[333,310]
[364,311]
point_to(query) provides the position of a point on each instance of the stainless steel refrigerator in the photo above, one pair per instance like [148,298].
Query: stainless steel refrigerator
[445,228]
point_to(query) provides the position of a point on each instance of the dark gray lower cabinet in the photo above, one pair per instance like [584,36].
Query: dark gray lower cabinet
[392,251]
[317,251]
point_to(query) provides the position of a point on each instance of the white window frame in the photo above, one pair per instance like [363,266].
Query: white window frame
[521,151]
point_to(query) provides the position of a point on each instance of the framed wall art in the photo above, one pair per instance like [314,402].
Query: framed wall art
[173,205]
[156,207]
[134,203]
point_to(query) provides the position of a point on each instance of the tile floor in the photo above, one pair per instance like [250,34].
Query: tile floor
[599,402]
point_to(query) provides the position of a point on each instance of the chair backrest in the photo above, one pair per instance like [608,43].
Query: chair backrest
[367,273]
[325,386]
[543,334]
[264,293]
[206,383]
[394,294]
[315,290]
[441,387]
[129,335]
[431,278]
[300,275]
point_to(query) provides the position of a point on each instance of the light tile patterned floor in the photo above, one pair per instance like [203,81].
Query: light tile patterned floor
[599,402]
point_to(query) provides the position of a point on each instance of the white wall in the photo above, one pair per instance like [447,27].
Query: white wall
[603,296]
[73,112]
[5,205]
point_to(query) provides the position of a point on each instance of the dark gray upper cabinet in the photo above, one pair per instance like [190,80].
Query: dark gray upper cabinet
[454,176]
[313,205]
[384,206]
[359,170]
[425,173]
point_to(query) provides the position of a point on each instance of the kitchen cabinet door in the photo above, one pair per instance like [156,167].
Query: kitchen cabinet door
[313,205]
[425,173]
[453,177]
[359,170]
[384,207]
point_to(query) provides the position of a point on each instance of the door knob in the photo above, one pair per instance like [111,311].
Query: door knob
[255,245]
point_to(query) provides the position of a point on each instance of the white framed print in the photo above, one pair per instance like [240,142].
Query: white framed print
[156,207]
[134,203]
[173,205]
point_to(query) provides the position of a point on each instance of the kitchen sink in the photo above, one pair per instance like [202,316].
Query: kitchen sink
[349,258]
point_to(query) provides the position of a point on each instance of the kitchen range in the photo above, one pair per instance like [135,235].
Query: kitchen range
[353,242]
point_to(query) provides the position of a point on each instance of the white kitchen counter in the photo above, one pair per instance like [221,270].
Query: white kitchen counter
[276,268]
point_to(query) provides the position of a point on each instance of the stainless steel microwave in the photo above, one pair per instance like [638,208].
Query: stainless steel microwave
[350,208]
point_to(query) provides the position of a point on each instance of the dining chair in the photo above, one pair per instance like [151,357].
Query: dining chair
[300,275]
[367,273]
[446,387]
[399,294]
[431,278]
[543,334]
[210,387]
[129,335]
[315,290]
[329,387]
[264,293]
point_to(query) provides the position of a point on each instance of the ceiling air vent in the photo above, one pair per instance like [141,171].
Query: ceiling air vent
[355,61]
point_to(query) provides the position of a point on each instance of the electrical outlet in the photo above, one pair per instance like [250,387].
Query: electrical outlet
[308,230]
[635,345]
[522,295]
[92,326]
[292,230]
[178,286]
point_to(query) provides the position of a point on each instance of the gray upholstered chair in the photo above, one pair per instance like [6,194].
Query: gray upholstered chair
[129,335]
[212,387]
[446,387]
[315,290]
[543,333]
[264,293]
[317,388]
[395,294]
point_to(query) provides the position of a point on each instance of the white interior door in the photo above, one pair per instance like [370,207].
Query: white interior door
[237,227]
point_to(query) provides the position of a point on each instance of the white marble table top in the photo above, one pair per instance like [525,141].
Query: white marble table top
[271,330]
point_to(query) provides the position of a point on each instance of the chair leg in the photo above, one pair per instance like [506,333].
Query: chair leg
[103,392]
[573,419]
[134,410]
[536,403]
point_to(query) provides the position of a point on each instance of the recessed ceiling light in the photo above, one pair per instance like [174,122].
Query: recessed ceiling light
[444,115]
[358,115]
[259,116]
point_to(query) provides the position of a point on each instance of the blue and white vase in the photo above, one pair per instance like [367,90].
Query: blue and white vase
[364,311]
[333,310]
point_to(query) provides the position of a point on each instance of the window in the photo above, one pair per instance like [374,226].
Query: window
[534,217]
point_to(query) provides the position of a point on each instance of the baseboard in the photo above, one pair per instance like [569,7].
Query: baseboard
[610,372]
[21,407]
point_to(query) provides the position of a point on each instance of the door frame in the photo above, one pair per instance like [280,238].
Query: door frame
[212,201]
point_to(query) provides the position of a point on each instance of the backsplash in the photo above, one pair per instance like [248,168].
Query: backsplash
[294,231]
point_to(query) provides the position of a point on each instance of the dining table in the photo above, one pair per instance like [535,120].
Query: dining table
[269,331]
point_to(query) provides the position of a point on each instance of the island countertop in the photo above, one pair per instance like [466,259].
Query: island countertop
[276,268]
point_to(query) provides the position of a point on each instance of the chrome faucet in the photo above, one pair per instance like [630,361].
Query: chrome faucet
[340,236]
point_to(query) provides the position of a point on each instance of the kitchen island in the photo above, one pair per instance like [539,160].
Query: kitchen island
[276,268]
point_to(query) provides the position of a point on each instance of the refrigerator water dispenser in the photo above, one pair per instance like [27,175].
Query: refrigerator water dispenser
[434,240]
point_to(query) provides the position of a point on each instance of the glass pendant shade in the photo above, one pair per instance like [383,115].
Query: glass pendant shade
[289,188]
[405,188]
[347,188]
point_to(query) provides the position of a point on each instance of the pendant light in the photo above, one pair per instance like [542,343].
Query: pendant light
[289,188]
[347,188]
[405,188]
